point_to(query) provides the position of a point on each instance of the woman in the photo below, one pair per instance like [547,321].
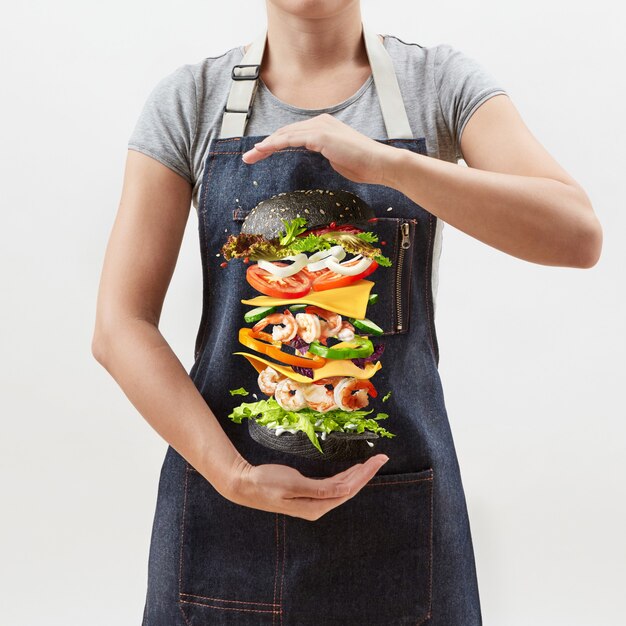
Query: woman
[245,534]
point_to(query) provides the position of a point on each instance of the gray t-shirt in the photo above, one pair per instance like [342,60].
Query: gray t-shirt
[440,85]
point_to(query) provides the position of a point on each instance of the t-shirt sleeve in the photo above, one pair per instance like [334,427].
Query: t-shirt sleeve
[166,126]
[462,86]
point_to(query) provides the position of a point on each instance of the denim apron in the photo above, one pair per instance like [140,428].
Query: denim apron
[400,551]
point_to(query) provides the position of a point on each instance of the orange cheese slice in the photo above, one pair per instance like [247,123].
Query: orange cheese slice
[350,301]
[339,367]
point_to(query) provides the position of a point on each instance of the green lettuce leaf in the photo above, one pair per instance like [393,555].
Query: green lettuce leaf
[368,236]
[293,228]
[257,247]
[238,392]
[270,414]
[309,243]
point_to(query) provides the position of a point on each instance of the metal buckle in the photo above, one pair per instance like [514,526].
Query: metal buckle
[246,77]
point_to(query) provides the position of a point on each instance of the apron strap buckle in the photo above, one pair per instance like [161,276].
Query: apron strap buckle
[245,75]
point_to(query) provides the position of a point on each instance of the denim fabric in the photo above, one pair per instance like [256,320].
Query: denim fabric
[399,552]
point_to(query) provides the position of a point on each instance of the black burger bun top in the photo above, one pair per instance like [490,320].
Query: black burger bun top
[319,207]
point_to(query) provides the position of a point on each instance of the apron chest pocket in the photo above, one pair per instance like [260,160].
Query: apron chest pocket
[368,561]
[393,284]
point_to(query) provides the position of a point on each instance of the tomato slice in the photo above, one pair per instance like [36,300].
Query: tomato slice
[267,283]
[262,342]
[328,279]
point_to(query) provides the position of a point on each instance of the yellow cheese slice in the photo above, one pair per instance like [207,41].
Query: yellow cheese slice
[350,301]
[339,367]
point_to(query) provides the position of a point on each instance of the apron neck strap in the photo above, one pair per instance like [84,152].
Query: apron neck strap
[245,76]
[387,88]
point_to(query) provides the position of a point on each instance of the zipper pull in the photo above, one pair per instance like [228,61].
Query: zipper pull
[406,241]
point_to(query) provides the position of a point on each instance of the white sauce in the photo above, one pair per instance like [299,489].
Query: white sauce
[280,430]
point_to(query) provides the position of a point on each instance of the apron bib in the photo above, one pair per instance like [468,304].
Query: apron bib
[400,551]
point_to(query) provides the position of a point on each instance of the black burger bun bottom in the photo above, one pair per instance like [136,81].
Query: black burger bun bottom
[319,207]
[336,447]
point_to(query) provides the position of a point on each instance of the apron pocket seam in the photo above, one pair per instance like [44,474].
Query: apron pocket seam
[193,597]
[411,543]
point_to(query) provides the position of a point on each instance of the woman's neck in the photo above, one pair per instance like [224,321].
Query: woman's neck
[314,62]
[299,45]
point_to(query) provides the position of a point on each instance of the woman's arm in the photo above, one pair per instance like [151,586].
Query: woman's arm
[514,196]
[138,266]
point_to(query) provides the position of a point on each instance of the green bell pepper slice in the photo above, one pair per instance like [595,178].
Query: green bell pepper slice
[358,348]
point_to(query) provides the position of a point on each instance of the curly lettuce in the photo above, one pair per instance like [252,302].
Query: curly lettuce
[270,414]
[256,247]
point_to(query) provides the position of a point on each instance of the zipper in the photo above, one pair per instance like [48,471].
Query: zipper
[405,244]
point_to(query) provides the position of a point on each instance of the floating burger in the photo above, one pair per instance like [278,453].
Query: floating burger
[308,253]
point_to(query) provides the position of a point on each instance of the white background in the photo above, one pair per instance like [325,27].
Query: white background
[532,357]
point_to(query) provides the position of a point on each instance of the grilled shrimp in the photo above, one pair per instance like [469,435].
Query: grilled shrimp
[330,322]
[309,327]
[352,393]
[285,327]
[268,379]
[320,395]
[347,332]
[290,395]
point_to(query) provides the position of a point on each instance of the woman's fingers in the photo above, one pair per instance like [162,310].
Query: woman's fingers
[311,508]
[312,134]
[320,501]
[283,489]
[346,483]
[350,153]
[347,472]
[357,466]
[289,138]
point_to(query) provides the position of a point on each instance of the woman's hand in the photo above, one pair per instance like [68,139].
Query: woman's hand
[353,155]
[283,489]
[513,196]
